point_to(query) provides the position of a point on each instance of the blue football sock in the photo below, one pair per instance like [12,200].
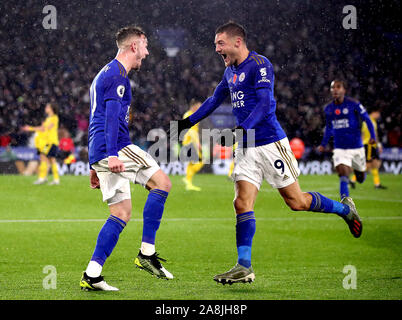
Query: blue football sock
[320,203]
[107,239]
[344,186]
[152,214]
[245,230]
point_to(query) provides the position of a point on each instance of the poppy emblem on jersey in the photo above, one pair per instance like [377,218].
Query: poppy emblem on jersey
[234,78]
[242,76]
[120,91]
[345,111]
[337,112]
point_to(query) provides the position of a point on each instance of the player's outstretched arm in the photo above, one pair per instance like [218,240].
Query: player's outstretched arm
[213,102]
[27,128]
[208,106]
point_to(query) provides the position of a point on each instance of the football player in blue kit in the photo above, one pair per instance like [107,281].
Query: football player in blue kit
[249,80]
[342,117]
[115,162]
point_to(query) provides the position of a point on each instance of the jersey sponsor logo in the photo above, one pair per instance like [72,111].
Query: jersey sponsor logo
[120,91]
[264,80]
[242,76]
[340,123]
[362,109]
[263,72]
[237,99]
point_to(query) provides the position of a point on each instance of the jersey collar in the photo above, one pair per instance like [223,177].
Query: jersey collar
[244,62]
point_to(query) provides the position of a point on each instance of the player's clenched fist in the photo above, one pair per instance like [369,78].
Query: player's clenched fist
[115,165]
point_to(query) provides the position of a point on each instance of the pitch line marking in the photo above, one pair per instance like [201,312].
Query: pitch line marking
[195,219]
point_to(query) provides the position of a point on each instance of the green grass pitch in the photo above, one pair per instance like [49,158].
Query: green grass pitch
[296,255]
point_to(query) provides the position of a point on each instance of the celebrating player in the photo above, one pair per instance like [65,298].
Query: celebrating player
[46,142]
[115,161]
[192,140]
[342,117]
[249,79]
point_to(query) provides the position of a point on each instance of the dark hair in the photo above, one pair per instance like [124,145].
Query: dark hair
[343,82]
[124,33]
[54,107]
[233,29]
[374,108]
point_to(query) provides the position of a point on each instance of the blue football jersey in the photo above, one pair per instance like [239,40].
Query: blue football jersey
[343,123]
[111,83]
[242,81]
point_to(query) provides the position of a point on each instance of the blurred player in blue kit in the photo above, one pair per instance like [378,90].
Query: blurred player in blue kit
[342,118]
[249,80]
[115,162]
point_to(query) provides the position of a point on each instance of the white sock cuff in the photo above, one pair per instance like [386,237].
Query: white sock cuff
[94,269]
[147,249]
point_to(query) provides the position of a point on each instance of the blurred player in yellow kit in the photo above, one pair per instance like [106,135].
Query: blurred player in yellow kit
[372,151]
[231,167]
[47,141]
[192,137]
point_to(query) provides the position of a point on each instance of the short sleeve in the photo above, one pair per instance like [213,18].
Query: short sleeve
[115,88]
[360,108]
[264,75]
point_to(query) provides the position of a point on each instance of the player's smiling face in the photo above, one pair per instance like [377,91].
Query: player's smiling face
[226,47]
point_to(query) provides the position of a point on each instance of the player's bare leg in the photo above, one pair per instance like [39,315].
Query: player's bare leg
[147,259]
[55,171]
[242,272]
[314,201]
[43,169]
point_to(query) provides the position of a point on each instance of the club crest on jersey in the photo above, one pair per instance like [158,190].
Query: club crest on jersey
[337,112]
[345,111]
[242,76]
[120,91]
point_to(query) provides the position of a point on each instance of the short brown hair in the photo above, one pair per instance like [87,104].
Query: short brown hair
[233,29]
[124,33]
[343,82]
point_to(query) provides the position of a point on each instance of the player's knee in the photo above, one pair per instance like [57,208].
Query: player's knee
[242,205]
[165,184]
[121,210]
[159,181]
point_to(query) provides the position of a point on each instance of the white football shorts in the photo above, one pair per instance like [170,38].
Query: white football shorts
[354,158]
[274,162]
[139,168]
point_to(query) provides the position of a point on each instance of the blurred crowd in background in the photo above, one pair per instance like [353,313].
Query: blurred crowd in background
[305,41]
